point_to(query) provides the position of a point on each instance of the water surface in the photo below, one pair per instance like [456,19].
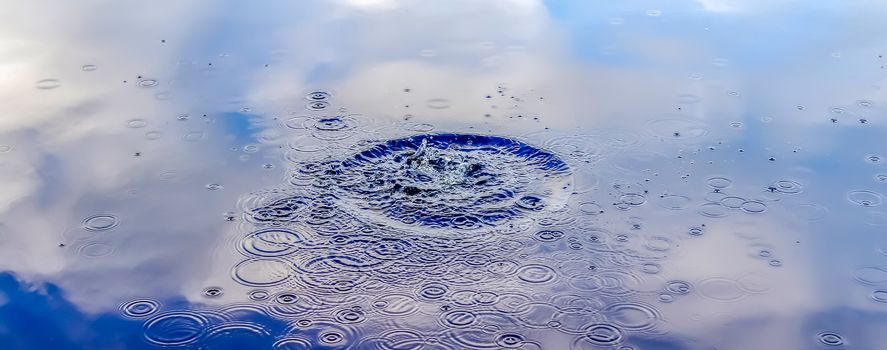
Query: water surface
[380,174]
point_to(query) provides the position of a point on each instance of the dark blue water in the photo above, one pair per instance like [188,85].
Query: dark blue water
[505,174]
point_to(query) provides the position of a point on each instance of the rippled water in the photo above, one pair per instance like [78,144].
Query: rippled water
[506,174]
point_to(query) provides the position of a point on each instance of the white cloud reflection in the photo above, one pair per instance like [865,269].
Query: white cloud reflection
[72,153]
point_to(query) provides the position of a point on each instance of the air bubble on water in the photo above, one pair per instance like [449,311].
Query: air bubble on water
[213,186]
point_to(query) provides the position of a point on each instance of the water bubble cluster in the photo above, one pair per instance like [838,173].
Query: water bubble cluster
[449,225]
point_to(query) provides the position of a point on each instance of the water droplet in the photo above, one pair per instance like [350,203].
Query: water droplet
[458,318]
[318,96]
[633,199]
[548,235]
[719,182]
[88,67]
[721,289]
[140,308]
[433,291]
[830,338]
[865,198]
[258,295]
[603,334]
[753,207]
[147,83]
[137,123]
[590,208]
[317,105]
[194,136]
[650,268]
[678,287]
[213,292]
[213,187]
[713,210]
[100,222]
[48,84]
[438,103]
[350,316]
[536,274]
[175,328]
[786,186]
[510,340]
[262,272]
[871,275]
[633,316]
[879,296]
[673,201]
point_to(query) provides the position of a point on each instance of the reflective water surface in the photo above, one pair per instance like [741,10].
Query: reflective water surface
[382,174]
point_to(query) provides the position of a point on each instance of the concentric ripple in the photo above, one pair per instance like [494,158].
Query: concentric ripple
[175,328]
[450,181]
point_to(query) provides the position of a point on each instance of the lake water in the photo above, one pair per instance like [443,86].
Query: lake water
[504,174]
